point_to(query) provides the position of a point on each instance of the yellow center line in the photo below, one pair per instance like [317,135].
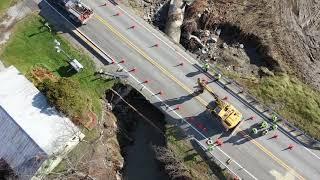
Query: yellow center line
[124,39]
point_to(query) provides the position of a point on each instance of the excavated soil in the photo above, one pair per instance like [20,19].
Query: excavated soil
[282,36]
[288,30]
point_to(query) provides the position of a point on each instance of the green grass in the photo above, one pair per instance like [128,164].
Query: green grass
[183,149]
[288,96]
[5,4]
[294,100]
[32,45]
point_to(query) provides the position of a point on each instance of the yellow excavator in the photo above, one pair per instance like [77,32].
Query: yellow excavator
[229,116]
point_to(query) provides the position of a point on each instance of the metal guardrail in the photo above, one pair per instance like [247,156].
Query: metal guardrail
[266,109]
[244,92]
[240,88]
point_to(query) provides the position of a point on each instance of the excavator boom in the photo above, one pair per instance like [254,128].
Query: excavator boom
[228,114]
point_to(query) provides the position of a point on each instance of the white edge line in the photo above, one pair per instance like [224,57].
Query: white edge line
[167,105]
[157,36]
[198,64]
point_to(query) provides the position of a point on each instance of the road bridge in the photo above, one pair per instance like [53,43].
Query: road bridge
[155,64]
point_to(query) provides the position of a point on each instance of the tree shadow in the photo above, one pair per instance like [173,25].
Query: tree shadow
[176,133]
[216,169]
[39,101]
[190,157]
[41,29]
[66,71]
[37,33]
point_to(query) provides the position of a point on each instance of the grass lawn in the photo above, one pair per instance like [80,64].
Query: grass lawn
[33,45]
[183,149]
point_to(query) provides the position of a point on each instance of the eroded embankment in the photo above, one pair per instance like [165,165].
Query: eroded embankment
[138,134]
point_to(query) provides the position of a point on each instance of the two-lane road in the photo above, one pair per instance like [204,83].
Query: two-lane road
[157,69]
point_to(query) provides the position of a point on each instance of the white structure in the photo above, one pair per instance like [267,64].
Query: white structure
[33,135]
[76,65]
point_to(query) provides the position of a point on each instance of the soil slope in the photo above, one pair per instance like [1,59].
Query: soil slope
[289,28]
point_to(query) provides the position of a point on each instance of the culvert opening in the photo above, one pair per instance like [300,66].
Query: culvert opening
[140,127]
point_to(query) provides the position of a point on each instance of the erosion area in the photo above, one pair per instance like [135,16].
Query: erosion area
[152,148]
[26,42]
[118,143]
[271,48]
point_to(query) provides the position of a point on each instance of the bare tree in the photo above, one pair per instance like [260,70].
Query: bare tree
[173,167]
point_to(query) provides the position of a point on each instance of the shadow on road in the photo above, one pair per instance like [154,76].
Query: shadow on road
[177,101]
[244,136]
[191,74]
[60,25]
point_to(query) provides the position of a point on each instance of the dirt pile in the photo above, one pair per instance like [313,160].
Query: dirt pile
[96,157]
[108,159]
[153,11]
[277,35]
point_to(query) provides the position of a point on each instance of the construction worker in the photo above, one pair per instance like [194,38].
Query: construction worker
[229,161]
[218,76]
[274,127]
[274,118]
[264,124]
[201,84]
[254,130]
[206,66]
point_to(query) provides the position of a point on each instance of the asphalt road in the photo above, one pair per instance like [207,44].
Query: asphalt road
[156,68]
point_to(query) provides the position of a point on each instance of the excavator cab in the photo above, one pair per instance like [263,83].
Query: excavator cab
[229,116]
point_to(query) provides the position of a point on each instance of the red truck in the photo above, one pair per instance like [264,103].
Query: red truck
[78,11]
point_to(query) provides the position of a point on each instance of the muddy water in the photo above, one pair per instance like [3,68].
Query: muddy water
[137,136]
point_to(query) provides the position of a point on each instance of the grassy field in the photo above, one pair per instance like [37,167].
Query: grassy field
[183,149]
[33,45]
[294,100]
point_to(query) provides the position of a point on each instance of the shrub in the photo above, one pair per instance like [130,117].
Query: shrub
[65,95]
